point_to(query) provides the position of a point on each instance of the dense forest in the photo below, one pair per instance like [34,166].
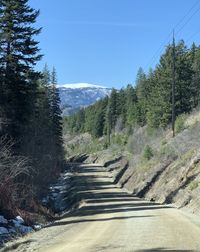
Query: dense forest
[31,145]
[149,101]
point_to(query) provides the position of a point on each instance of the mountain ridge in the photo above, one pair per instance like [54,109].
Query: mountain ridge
[79,95]
[81,85]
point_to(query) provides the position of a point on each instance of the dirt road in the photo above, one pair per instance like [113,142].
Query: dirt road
[112,220]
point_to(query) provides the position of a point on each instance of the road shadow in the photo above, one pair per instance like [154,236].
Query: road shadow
[111,209]
[163,249]
[103,198]
[65,222]
[15,245]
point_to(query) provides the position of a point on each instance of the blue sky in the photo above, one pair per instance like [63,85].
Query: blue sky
[106,41]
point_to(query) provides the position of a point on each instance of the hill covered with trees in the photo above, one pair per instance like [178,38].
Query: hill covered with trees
[149,101]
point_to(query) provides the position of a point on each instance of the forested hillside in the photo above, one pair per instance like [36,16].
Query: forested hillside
[31,152]
[149,101]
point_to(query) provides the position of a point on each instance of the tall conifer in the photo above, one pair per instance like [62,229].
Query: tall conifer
[19,52]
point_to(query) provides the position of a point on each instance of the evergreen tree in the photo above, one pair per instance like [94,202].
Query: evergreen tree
[18,54]
[195,84]
[56,117]
[38,143]
[183,78]
[99,118]
[46,76]
[142,96]
[122,107]
[192,53]
[113,109]
[29,101]
[132,113]
[160,102]
[150,101]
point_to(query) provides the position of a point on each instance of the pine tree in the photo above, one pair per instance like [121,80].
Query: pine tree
[38,141]
[195,84]
[18,54]
[99,118]
[121,108]
[56,117]
[46,76]
[160,102]
[150,101]
[142,93]
[184,77]
[132,113]
[113,108]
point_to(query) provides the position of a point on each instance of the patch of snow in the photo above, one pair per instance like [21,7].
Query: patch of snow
[37,227]
[18,221]
[80,85]
[3,231]
[59,187]
[3,220]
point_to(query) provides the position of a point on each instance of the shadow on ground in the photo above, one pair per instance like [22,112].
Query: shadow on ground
[163,249]
[102,197]
[17,245]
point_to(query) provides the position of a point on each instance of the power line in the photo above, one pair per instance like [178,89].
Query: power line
[192,36]
[182,19]
[158,51]
[188,20]
[173,89]
[166,41]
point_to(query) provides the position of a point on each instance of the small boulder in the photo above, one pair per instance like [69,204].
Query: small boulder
[18,221]
[24,229]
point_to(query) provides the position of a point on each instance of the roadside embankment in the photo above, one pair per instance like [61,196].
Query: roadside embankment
[174,180]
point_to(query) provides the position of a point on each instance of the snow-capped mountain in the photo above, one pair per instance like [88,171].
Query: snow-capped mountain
[78,95]
[82,85]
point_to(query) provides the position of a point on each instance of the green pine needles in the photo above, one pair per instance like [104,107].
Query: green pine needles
[149,101]
[30,116]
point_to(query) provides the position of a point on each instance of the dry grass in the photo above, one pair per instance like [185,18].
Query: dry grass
[193,118]
[142,137]
[12,168]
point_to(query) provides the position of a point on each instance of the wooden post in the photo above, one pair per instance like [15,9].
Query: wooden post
[173,88]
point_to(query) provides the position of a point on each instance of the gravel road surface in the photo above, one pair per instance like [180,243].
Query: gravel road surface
[110,219]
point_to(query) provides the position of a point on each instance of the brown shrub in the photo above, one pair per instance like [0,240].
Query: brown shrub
[11,169]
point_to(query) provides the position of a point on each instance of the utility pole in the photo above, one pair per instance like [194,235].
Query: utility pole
[173,87]
[108,135]
[108,120]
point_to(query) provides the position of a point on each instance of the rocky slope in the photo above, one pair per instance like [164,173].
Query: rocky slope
[59,199]
[172,175]
[171,181]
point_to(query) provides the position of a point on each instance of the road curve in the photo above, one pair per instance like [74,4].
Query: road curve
[110,219]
